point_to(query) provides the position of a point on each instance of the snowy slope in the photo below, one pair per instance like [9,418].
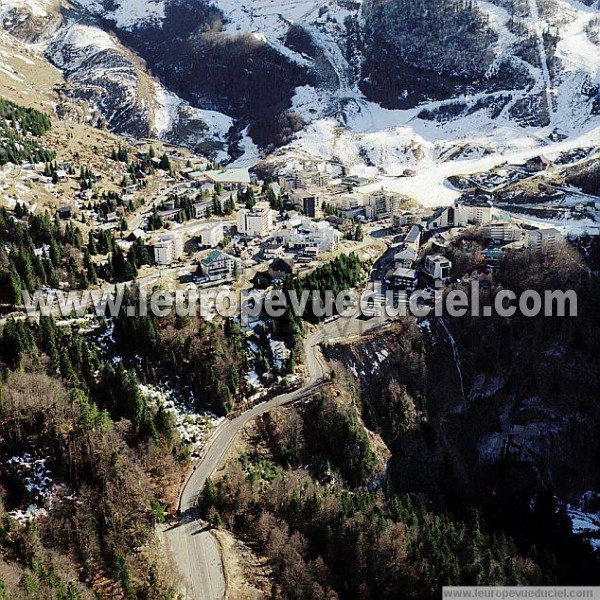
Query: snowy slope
[555,95]
[38,8]
[171,114]
[106,77]
[345,127]
[128,14]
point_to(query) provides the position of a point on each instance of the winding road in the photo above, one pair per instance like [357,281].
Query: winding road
[194,549]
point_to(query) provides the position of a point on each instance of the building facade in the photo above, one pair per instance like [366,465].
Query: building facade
[213,235]
[255,222]
[168,249]
[438,267]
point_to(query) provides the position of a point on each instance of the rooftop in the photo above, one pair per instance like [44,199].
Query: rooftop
[228,176]
[404,272]
[213,257]
[413,235]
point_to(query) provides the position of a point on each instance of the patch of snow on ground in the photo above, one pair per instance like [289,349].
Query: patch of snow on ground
[84,40]
[250,152]
[253,379]
[129,14]
[167,112]
[585,518]
[38,8]
[171,109]
[37,482]
[568,226]
[194,428]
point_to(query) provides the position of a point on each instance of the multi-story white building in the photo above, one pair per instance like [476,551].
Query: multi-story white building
[218,265]
[379,205]
[324,239]
[213,235]
[407,217]
[412,241]
[460,215]
[255,222]
[168,249]
[311,175]
[279,350]
[503,231]
[438,267]
[320,234]
[308,201]
[545,240]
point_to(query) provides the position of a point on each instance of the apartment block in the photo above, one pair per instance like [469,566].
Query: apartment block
[255,222]
[213,235]
[168,249]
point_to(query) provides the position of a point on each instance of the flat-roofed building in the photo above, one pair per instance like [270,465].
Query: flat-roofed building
[438,267]
[228,178]
[404,279]
[406,218]
[213,235]
[308,201]
[477,212]
[545,240]
[168,249]
[378,205]
[255,222]
[503,231]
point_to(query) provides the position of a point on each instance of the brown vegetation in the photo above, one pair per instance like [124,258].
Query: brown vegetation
[103,516]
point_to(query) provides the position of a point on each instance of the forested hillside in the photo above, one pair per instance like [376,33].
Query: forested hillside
[417,49]
[96,488]
[21,134]
[492,413]
[303,492]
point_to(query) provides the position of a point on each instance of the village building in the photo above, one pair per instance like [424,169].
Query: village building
[217,266]
[137,234]
[255,222]
[379,205]
[309,202]
[279,350]
[438,267]
[280,268]
[545,240]
[405,258]
[274,249]
[168,249]
[404,278]
[228,178]
[461,214]
[213,235]
[503,231]
[401,219]
[412,241]
[538,164]
[65,213]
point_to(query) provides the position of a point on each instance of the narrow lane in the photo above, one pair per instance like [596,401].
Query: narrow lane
[194,549]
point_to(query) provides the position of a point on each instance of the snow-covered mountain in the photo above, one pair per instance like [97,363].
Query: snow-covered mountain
[108,80]
[374,84]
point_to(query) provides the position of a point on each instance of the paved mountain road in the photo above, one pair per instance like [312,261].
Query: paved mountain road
[194,549]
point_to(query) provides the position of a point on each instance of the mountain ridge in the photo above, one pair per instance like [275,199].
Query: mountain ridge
[240,80]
